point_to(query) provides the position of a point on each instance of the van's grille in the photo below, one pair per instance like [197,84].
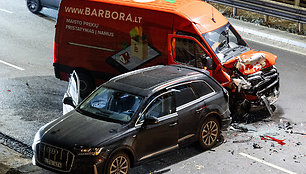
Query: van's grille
[264,82]
[54,157]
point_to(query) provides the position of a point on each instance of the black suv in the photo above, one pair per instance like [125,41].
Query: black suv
[133,117]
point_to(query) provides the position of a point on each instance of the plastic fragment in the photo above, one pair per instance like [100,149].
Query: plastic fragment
[281,142]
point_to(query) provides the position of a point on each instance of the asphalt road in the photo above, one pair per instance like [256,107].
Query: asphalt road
[30,96]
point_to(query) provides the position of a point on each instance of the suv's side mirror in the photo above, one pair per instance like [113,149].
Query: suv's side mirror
[150,120]
[68,101]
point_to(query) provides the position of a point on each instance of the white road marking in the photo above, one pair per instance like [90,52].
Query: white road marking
[11,65]
[266,163]
[6,11]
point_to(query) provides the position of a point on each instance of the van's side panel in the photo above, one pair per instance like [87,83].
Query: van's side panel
[108,39]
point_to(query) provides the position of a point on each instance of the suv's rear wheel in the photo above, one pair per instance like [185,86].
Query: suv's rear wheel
[119,163]
[209,133]
[34,6]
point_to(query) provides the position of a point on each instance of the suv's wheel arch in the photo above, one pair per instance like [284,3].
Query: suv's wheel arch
[212,122]
[127,151]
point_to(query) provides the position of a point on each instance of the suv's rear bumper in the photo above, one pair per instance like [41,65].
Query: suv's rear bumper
[226,120]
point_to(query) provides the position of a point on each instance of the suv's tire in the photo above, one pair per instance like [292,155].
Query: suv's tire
[118,163]
[209,133]
[34,6]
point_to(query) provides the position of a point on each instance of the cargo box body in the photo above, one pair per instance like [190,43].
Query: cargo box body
[103,38]
[106,38]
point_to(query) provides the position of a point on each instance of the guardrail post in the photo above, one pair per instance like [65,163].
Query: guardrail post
[300,27]
[297,2]
[266,18]
[234,11]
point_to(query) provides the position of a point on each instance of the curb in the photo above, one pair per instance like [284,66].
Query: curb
[12,162]
[270,36]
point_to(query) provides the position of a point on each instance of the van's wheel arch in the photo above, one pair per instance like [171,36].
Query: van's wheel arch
[209,132]
[34,6]
[87,84]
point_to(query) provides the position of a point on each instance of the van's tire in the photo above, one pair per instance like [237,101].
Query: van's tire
[86,84]
[118,163]
[209,133]
[34,6]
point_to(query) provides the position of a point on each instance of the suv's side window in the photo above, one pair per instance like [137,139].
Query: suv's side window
[184,94]
[161,106]
[201,88]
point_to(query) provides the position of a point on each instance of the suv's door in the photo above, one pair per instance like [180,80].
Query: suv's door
[157,138]
[188,107]
[72,95]
[189,51]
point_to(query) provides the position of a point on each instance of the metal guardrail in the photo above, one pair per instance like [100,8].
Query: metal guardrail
[267,8]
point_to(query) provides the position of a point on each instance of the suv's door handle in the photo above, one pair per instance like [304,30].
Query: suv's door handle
[173,124]
[200,109]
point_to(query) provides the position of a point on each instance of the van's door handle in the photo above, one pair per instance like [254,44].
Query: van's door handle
[173,124]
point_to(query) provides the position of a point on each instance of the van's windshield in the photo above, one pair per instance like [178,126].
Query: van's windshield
[226,42]
[110,104]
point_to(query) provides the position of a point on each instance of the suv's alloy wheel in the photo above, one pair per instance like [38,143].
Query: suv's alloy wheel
[209,133]
[118,164]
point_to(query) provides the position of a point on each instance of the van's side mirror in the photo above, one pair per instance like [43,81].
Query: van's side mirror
[68,101]
[209,63]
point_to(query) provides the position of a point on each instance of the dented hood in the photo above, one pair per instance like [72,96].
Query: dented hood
[251,61]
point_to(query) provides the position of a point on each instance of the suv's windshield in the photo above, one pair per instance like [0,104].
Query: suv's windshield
[111,104]
[226,42]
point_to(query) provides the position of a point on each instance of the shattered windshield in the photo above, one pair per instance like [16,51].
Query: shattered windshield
[226,42]
[111,104]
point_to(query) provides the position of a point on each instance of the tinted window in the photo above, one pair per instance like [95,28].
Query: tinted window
[184,95]
[201,88]
[159,107]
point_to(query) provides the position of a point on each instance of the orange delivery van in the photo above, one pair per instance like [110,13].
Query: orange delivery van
[100,39]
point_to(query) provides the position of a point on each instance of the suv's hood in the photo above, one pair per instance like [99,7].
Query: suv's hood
[251,61]
[79,130]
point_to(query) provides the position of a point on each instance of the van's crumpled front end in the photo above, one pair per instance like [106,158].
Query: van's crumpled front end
[254,81]
[250,76]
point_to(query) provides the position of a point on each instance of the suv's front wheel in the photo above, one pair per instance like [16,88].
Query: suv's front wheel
[34,6]
[119,163]
[209,133]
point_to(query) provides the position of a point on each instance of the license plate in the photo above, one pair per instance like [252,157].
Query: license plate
[53,163]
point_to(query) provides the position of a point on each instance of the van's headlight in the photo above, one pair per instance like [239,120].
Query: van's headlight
[90,151]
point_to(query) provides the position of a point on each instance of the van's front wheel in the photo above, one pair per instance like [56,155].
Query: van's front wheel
[34,6]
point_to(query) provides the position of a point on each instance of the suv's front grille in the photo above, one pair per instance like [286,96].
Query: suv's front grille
[54,157]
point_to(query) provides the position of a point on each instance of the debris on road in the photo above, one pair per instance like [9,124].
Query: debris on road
[243,141]
[281,142]
[239,127]
[256,146]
